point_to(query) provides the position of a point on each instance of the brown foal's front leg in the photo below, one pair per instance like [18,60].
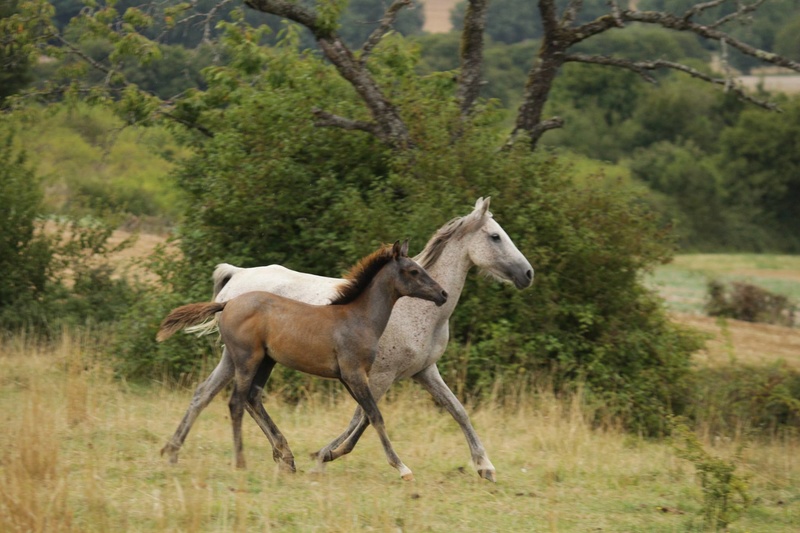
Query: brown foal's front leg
[356,383]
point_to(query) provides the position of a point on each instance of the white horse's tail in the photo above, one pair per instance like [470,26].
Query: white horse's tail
[222,275]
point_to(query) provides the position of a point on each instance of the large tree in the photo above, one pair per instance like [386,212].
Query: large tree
[564,27]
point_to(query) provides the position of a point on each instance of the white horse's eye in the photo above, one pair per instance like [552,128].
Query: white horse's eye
[495,237]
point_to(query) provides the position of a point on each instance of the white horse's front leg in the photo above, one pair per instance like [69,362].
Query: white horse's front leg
[432,381]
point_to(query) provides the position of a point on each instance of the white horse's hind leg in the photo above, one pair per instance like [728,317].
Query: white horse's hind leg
[432,381]
[203,395]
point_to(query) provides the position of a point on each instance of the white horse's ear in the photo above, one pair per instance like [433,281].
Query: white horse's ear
[482,205]
[404,249]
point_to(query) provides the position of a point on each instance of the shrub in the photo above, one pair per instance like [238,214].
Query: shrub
[25,253]
[55,271]
[725,492]
[748,302]
[729,399]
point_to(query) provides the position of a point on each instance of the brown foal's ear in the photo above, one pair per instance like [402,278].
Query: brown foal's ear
[404,248]
[396,250]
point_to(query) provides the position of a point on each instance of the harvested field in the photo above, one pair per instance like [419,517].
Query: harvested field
[744,342]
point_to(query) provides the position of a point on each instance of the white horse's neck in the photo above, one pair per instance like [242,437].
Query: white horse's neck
[450,271]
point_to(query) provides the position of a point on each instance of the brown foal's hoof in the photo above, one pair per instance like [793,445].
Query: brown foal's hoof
[408,477]
[288,468]
[318,457]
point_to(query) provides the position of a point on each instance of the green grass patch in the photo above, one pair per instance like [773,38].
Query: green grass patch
[80,452]
[683,282]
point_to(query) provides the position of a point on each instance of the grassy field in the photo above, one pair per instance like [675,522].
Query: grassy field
[80,453]
[683,282]
[80,448]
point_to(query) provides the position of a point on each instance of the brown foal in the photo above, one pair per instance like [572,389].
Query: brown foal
[336,341]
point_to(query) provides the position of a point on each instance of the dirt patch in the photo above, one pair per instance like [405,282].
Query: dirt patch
[129,259]
[437,15]
[779,84]
[788,275]
[744,342]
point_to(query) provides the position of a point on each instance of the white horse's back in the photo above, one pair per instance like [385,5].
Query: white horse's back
[308,288]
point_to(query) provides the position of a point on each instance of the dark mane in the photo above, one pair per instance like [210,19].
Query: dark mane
[361,275]
[455,229]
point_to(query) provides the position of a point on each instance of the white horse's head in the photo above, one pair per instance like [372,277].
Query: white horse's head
[492,250]
[484,242]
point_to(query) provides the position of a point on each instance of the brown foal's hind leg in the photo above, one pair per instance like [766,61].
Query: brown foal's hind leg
[358,387]
[281,453]
[203,395]
[247,364]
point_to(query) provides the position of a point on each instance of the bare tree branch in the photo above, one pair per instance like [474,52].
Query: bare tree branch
[536,131]
[669,21]
[699,8]
[739,12]
[325,119]
[571,12]
[386,24]
[641,68]
[291,11]
[616,13]
[209,17]
[390,127]
[469,81]
[80,53]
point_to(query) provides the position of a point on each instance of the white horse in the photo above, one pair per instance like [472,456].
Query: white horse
[417,333]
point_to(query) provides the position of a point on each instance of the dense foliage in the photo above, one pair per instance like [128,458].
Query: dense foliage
[54,273]
[269,187]
[263,185]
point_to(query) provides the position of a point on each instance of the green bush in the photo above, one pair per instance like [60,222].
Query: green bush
[725,491]
[748,302]
[735,398]
[272,188]
[55,270]
[25,253]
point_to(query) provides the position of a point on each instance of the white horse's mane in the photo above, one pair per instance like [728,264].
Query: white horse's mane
[455,229]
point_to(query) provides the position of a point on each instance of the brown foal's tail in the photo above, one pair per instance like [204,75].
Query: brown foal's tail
[187,315]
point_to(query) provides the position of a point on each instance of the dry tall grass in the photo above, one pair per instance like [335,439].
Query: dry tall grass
[79,452]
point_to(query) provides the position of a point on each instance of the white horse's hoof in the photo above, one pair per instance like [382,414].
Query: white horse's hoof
[488,475]
[406,473]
